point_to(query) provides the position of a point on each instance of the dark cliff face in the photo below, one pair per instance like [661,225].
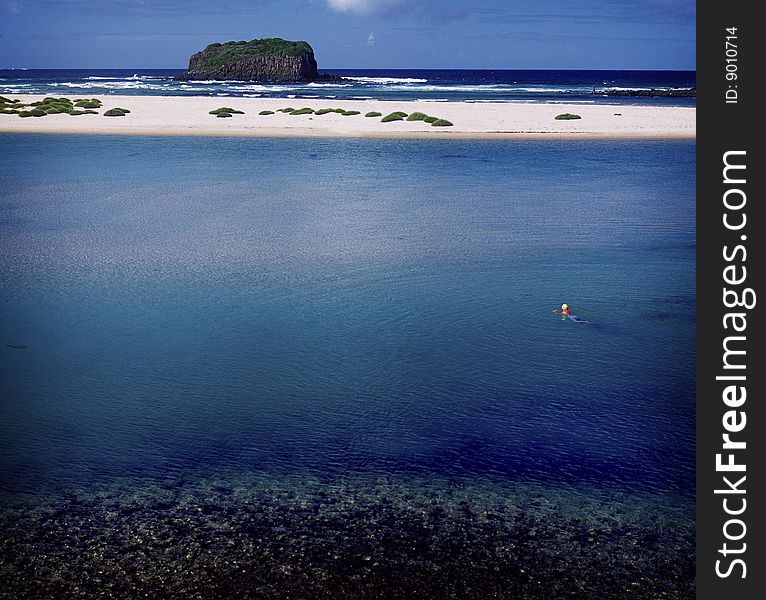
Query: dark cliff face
[239,62]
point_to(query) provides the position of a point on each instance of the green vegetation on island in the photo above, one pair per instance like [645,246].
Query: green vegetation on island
[302,111]
[266,112]
[216,55]
[417,116]
[267,59]
[567,117]
[323,111]
[441,123]
[350,113]
[373,113]
[431,119]
[289,109]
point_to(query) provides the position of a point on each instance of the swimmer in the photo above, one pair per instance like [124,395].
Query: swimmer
[568,314]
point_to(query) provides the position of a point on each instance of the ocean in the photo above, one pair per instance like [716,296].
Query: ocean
[298,367]
[429,85]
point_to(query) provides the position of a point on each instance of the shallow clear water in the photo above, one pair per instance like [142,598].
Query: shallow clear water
[361,306]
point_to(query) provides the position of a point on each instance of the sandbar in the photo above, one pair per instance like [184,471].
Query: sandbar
[188,116]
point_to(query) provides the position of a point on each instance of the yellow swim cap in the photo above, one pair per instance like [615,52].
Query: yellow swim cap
[564,306]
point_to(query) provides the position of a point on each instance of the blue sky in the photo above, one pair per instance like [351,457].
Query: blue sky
[490,34]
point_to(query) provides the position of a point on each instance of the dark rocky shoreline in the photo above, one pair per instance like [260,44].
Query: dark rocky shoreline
[652,93]
[304,538]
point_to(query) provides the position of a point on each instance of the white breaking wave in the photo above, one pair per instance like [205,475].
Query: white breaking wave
[453,88]
[256,87]
[639,89]
[213,81]
[134,77]
[116,85]
[386,80]
[333,85]
[138,77]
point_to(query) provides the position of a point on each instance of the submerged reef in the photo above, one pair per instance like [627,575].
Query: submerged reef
[303,537]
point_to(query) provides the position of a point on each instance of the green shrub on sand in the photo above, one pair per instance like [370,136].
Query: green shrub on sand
[6,102]
[224,115]
[116,112]
[54,110]
[76,112]
[50,100]
[266,112]
[8,111]
[395,116]
[373,114]
[286,110]
[340,111]
[53,106]
[303,111]
[35,112]
[441,123]
[323,111]
[350,113]
[225,110]
[88,103]
[403,115]
[431,119]
[567,117]
[417,116]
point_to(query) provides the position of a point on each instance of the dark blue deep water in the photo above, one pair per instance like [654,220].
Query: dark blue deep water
[171,304]
[380,84]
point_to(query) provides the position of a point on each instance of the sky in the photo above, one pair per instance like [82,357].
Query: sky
[355,34]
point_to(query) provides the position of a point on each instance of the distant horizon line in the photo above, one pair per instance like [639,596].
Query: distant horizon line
[349,69]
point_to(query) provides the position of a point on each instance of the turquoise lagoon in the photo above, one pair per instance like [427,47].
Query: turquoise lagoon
[344,348]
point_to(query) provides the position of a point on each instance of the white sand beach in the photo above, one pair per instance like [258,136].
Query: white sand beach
[173,115]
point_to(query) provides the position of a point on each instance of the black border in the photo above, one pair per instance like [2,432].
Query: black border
[721,127]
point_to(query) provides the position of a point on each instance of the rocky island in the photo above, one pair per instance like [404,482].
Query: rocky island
[267,60]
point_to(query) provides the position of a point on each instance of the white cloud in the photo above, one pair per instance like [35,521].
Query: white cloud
[361,6]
